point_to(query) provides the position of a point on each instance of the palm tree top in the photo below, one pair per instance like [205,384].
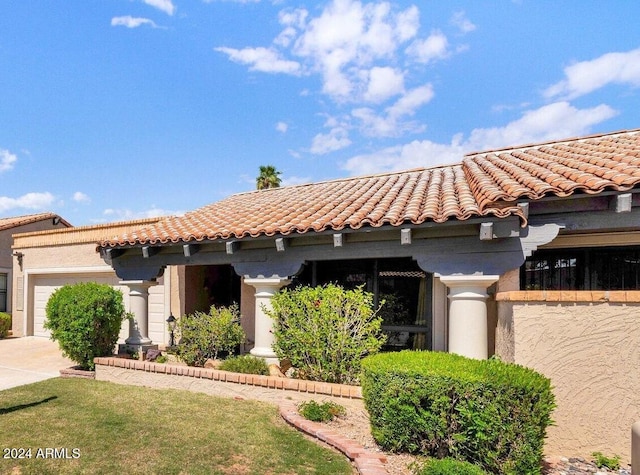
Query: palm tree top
[269,177]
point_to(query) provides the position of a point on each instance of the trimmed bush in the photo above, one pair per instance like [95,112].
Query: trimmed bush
[448,466]
[325,331]
[204,336]
[245,364]
[85,320]
[5,324]
[489,413]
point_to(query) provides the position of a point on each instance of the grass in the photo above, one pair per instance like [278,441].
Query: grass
[126,429]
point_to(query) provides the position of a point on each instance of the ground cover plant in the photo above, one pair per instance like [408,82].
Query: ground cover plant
[245,364]
[447,466]
[321,412]
[101,427]
[490,413]
[325,331]
[85,319]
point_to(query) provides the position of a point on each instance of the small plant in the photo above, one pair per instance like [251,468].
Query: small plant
[324,412]
[5,324]
[448,466]
[325,331]
[602,461]
[85,319]
[245,364]
[204,336]
[161,359]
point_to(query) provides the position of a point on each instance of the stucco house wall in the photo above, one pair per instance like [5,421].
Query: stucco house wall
[587,344]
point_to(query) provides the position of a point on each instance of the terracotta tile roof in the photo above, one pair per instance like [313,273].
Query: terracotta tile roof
[588,165]
[15,221]
[484,184]
[78,235]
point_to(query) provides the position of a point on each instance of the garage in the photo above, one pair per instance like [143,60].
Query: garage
[45,285]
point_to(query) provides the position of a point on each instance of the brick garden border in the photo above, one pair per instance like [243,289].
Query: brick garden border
[271,382]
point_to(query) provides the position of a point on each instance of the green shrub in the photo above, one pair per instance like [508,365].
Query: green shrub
[602,461]
[245,364]
[325,331]
[5,324]
[204,336]
[448,466]
[85,320]
[324,412]
[490,413]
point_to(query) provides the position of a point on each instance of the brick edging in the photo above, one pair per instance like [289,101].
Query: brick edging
[272,382]
[366,461]
[567,296]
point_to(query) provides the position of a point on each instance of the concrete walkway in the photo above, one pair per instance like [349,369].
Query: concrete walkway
[28,360]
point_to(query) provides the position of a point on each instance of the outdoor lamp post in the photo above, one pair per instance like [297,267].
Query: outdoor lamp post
[171,321]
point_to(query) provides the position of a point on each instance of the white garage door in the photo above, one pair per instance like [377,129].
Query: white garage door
[44,286]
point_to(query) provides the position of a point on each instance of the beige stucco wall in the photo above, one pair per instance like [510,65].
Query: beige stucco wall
[590,349]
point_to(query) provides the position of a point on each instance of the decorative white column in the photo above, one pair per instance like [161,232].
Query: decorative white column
[139,306]
[265,289]
[468,333]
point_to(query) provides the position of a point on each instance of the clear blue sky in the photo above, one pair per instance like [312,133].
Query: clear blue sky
[120,109]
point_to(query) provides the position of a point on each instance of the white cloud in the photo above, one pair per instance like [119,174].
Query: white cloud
[235,1]
[336,139]
[262,59]
[460,20]
[436,46]
[131,22]
[384,82]
[282,127]
[81,197]
[550,122]
[296,180]
[7,160]
[587,76]
[349,37]
[412,155]
[32,201]
[391,123]
[163,5]
[124,214]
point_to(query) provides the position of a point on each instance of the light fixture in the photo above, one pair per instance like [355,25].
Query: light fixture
[19,255]
[171,322]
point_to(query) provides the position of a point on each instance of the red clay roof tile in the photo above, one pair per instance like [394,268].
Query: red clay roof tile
[485,183]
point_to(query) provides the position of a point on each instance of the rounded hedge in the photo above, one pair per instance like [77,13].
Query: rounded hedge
[85,319]
[490,413]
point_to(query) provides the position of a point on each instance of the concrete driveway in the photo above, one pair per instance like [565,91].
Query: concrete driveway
[29,359]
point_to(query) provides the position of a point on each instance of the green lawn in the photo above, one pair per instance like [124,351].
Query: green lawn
[98,427]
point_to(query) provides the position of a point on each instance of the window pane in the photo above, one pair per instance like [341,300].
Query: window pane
[577,269]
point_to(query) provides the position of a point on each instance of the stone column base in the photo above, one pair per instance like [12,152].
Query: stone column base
[133,348]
